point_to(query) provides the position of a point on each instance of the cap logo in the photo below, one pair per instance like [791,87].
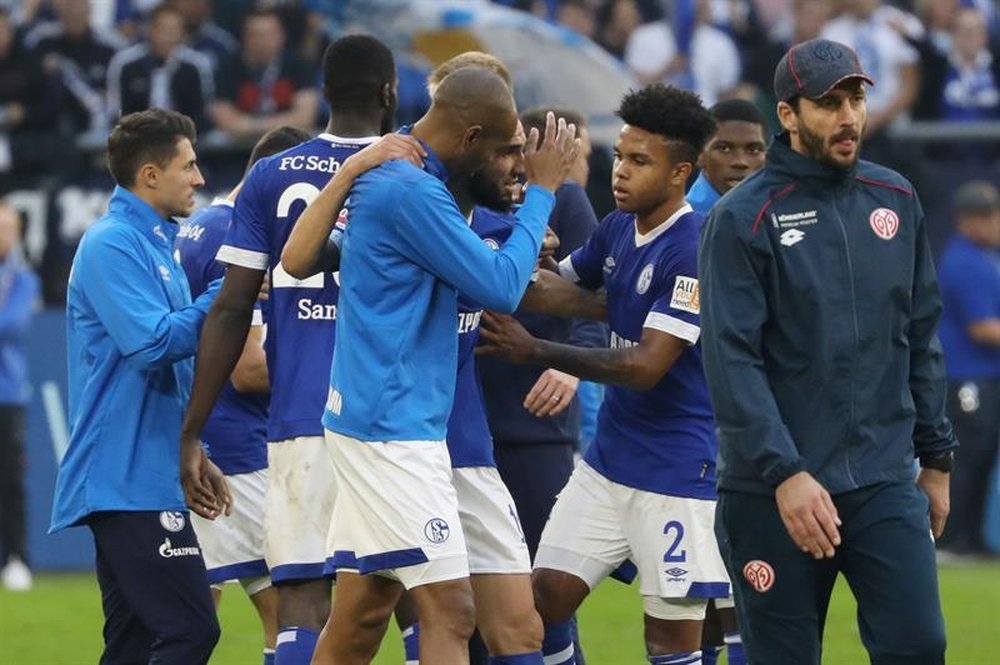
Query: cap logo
[884,223]
[827,51]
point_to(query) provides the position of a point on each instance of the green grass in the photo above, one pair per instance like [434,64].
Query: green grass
[59,623]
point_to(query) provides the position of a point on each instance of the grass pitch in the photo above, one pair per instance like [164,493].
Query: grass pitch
[59,623]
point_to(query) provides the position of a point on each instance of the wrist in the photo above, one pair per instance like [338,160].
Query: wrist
[942,462]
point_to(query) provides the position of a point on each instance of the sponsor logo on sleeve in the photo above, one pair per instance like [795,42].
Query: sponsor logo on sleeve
[685,296]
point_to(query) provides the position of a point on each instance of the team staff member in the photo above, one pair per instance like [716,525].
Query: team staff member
[970,335]
[735,151]
[132,333]
[819,303]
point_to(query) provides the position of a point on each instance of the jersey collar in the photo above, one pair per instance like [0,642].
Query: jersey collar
[645,239]
[132,210]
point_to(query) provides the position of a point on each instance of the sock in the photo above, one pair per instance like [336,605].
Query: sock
[268,656]
[734,649]
[295,646]
[533,658]
[710,655]
[677,658]
[411,644]
[558,644]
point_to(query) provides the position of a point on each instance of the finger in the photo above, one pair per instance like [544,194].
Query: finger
[199,493]
[531,147]
[831,508]
[819,543]
[537,395]
[560,407]
[550,129]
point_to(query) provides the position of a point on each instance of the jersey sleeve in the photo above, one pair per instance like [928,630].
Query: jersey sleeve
[677,308]
[585,266]
[435,235]
[248,241]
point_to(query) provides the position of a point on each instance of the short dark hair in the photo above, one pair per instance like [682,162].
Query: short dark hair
[739,110]
[356,69]
[676,115]
[535,117]
[262,12]
[277,140]
[146,136]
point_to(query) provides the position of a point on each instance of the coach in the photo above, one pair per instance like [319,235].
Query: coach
[132,333]
[819,308]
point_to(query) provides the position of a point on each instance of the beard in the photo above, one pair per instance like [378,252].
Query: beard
[486,190]
[816,147]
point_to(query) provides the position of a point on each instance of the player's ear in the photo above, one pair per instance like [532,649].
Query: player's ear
[788,117]
[681,173]
[471,137]
[149,174]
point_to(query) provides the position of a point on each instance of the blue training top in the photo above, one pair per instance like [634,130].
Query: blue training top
[406,254]
[132,331]
[660,440]
[969,276]
[235,433]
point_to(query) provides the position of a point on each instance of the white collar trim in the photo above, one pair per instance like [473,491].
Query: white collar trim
[222,201]
[641,239]
[364,140]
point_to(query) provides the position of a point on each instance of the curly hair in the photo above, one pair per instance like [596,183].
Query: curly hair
[675,114]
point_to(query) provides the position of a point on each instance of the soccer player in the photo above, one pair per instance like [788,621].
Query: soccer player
[360,87]
[236,431]
[132,331]
[735,151]
[407,251]
[646,487]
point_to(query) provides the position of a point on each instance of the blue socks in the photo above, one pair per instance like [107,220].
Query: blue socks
[295,646]
[677,658]
[710,655]
[558,644]
[268,656]
[734,649]
[533,658]
[411,644]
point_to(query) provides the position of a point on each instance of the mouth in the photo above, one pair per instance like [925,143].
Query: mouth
[847,142]
[734,180]
[619,193]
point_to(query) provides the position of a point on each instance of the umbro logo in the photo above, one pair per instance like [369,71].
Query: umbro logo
[792,236]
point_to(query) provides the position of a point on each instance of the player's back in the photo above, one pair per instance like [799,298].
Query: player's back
[300,314]
[236,430]
[661,439]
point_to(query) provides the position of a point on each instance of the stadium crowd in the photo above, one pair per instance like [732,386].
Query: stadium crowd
[73,69]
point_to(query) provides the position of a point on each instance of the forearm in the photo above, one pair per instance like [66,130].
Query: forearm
[621,367]
[306,252]
[221,345]
[552,294]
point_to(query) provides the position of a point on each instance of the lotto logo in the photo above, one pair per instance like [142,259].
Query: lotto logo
[884,223]
[759,574]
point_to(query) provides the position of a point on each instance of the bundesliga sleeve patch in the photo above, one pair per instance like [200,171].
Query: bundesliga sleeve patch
[685,296]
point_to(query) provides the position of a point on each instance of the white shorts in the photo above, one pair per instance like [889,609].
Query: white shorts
[233,545]
[396,512]
[299,504]
[490,523]
[596,524]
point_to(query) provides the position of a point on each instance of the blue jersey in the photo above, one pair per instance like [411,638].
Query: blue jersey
[702,195]
[300,314]
[969,276]
[407,253]
[660,440]
[236,430]
[469,440]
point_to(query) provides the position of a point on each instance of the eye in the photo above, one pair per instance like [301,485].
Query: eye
[724,149]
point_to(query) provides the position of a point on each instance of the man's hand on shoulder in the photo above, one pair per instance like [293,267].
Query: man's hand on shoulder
[387,148]
[809,515]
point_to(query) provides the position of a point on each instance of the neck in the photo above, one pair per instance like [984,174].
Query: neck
[145,195]
[427,130]
[462,197]
[647,221]
[354,125]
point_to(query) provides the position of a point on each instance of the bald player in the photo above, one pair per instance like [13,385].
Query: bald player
[407,253]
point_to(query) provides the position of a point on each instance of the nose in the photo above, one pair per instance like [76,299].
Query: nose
[198,180]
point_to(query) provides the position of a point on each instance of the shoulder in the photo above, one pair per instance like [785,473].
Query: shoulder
[108,234]
[876,176]
[42,35]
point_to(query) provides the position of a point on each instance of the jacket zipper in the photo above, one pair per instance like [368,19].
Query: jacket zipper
[857,337]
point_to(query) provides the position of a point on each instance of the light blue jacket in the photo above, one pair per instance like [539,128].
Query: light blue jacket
[132,332]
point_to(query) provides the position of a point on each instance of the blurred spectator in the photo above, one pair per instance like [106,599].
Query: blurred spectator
[580,16]
[265,87]
[76,55]
[970,335]
[962,83]
[618,19]
[19,291]
[874,31]
[937,17]
[26,104]
[161,72]
[204,35]
[709,64]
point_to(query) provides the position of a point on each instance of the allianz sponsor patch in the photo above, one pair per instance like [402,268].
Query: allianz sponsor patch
[685,296]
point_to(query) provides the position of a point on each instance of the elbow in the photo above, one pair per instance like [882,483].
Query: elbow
[640,377]
[246,381]
[293,266]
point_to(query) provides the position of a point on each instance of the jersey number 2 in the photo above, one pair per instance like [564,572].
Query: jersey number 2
[676,529]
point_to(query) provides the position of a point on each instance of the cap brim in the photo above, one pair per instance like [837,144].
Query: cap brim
[864,77]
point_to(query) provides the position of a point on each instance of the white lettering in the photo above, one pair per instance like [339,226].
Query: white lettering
[309,163]
[468,321]
[619,342]
[308,311]
[167,550]
[193,231]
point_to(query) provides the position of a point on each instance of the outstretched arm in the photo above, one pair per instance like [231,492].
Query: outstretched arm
[551,294]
